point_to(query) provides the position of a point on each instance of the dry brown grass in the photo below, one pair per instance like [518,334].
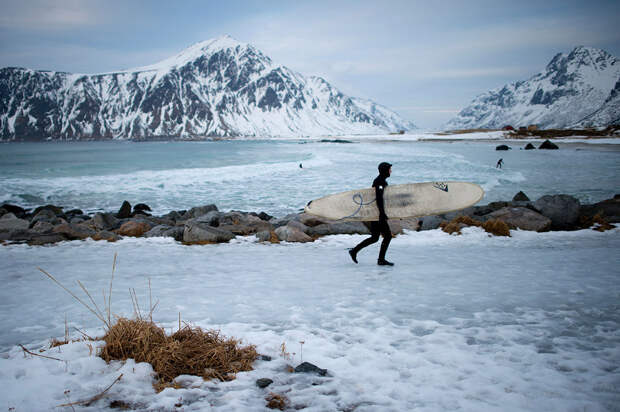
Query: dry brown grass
[495,227]
[276,401]
[597,222]
[189,351]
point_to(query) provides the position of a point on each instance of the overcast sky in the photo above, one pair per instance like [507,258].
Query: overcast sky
[424,59]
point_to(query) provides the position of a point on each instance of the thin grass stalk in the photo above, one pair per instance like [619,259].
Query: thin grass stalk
[110,294]
[74,296]
[102,316]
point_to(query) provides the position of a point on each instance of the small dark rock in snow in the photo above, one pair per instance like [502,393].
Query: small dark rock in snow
[263,382]
[307,367]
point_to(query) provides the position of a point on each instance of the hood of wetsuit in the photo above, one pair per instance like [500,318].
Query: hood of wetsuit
[384,169]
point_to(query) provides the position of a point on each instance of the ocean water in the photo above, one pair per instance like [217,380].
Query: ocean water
[266,175]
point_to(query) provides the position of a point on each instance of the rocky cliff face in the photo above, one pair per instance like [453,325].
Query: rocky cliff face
[219,87]
[575,90]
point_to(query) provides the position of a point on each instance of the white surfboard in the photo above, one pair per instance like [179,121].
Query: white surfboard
[400,201]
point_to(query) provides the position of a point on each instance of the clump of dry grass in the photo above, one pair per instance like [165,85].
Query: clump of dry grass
[495,227]
[597,222]
[189,351]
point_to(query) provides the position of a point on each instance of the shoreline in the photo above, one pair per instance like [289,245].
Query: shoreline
[206,224]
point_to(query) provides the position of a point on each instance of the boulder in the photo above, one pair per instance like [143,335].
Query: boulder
[134,228]
[46,238]
[197,232]
[520,197]
[9,222]
[530,146]
[174,216]
[175,232]
[74,231]
[503,147]
[609,209]
[46,215]
[292,234]
[125,211]
[547,144]
[56,210]
[311,220]
[43,227]
[521,218]
[199,211]
[16,210]
[106,235]
[243,225]
[105,221]
[141,207]
[563,210]
[283,221]
[267,236]
[335,228]
[263,382]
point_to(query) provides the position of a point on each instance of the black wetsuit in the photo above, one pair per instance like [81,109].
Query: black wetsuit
[381,226]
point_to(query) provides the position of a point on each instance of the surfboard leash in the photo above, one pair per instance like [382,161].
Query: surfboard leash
[358,200]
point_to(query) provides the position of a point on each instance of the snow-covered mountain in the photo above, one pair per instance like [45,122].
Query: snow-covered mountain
[575,90]
[220,87]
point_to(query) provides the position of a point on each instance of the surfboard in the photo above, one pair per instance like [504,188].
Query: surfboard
[400,201]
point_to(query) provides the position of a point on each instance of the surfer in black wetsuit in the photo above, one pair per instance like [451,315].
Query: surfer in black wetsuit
[381,226]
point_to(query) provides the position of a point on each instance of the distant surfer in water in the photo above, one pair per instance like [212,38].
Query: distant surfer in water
[381,226]
[499,164]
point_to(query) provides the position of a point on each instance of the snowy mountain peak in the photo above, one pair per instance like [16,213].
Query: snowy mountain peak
[574,90]
[218,87]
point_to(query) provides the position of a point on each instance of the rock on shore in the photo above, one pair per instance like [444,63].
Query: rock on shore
[206,224]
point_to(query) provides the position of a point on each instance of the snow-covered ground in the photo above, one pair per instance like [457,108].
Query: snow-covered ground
[470,322]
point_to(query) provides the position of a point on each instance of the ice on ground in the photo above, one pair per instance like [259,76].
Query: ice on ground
[466,322]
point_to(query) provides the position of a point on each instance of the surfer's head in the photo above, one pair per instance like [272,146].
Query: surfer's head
[385,169]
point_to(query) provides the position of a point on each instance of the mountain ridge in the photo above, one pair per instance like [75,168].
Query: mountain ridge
[215,88]
[569,92]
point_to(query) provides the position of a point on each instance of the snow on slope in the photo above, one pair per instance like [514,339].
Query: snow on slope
[219,87]
[571,91]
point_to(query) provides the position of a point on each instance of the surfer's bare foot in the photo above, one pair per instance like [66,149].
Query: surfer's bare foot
[353,254]
[383,262]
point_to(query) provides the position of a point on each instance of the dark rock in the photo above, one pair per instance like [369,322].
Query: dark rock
[46,239]
[338,228]
[9,222]
[263,382]
[19,212]
[74,213]
[125,211]
[547,144]
[291,234]
[265,358]
[521,218]
[74,231]
[563,210]
[175,232]
[174,216]
[105,221]
[307,367]
[141,207]
[265,216]
[43,227]
[264,235]
[520,197]
[197,232]
[46,215]
[56,210]
[503,147]
[609,209]
[530,146]
[199,211]
[106,235]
